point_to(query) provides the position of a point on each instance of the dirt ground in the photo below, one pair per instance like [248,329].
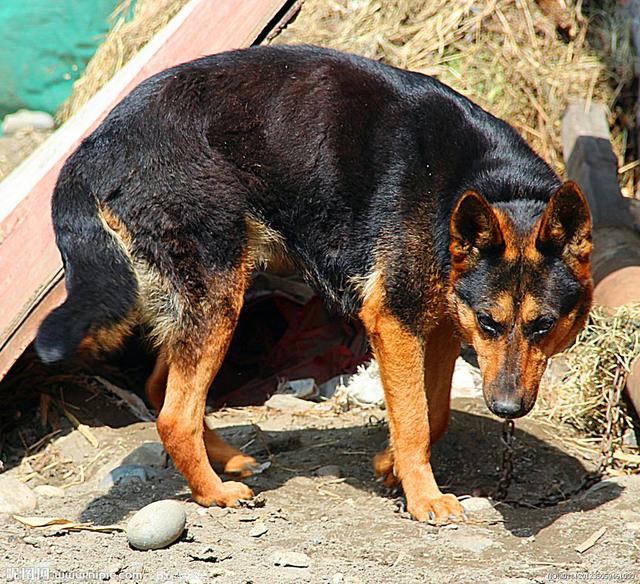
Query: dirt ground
[349,527]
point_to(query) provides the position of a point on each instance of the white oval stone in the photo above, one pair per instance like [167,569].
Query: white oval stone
[48,491]
[15,497]
[157,525]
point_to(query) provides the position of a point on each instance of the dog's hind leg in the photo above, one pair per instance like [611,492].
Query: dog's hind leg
[194,356]
[156,385]
[228,459]
[442,348]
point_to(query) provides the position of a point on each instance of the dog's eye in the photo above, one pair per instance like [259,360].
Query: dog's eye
[542,326]
[488,324]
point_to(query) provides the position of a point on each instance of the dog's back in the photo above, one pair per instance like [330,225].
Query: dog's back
[273,148]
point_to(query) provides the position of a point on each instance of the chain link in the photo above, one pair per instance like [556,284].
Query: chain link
[605,458]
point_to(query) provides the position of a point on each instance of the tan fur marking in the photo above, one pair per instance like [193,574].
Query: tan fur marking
[193,363]
[265,246]
[400,356]
[530,309]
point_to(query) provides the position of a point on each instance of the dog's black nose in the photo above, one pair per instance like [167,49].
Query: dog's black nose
[508,408]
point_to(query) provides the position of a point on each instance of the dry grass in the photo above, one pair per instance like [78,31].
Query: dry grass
[124,40]
[579,390]
[504,54]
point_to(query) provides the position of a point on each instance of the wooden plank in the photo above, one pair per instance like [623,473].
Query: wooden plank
[30,266]
[616,243]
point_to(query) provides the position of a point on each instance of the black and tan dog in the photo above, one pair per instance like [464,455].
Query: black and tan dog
[399,200]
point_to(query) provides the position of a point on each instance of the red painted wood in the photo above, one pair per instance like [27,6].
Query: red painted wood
[29,261]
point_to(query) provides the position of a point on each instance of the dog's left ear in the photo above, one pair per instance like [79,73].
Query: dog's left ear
[565,227]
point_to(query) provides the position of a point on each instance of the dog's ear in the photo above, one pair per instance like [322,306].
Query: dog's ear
[565,227]
[474,229]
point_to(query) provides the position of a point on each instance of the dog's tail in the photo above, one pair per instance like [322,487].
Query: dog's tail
[101,284]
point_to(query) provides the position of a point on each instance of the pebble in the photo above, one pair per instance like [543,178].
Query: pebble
[22,119]
[474,544]
[48,491]
[129,473]
[338,578]
[292,559]
[157,525]
[281,401]
[331,470]
[148,454]
[258,529]
[15,497]
[476,504]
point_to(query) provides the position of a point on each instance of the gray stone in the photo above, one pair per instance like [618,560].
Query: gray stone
[23,119]
[15,497]
[258,529]
[48,491]
[472,543]
[331,470]
[292,559]
[129,473]
[476,504]
[157,525]
[148,454]
[280,401]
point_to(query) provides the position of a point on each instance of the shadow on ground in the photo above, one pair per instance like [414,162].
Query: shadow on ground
[466,459]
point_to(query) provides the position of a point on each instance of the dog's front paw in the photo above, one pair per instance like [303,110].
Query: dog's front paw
[228,494]
[441,509]
[240,466]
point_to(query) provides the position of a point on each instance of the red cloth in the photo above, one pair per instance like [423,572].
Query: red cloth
[277,338]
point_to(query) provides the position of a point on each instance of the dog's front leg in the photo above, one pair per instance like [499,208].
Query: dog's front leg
[400,355]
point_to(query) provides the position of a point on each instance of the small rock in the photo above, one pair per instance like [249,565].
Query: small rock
[338,578]
[148,454]
[279,401]
[23,119]
[476,504]
[292,559]
[157,525]
[258,529]
[330,470]
[129,473]
[34,541]
[15,497]
[466,381]
[302,388]
[209,554]
[473,543]
[632,525]
[48,491]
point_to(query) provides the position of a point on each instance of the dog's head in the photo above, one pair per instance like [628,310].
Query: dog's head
[520,287]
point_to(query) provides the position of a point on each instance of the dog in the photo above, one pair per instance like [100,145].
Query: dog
[399,201]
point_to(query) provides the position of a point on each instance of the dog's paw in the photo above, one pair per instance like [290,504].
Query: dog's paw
[383,468]
[240,466]
[442,509]
[228,494]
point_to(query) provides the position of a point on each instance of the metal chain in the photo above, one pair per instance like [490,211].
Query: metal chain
[504,483]
[605,459]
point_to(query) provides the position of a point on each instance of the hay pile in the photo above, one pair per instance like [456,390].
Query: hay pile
[126,37]
[581,387]
[504,54]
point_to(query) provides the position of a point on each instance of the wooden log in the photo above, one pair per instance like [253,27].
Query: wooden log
[30,265]
[592,164]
